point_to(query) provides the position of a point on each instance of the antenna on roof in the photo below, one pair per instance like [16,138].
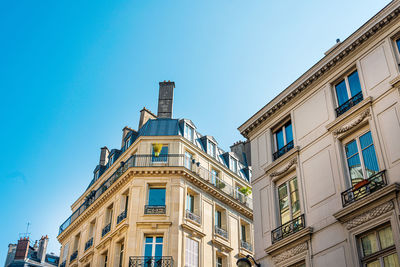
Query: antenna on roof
[26,234]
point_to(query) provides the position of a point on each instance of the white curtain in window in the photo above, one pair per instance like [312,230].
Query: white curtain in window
[191,253]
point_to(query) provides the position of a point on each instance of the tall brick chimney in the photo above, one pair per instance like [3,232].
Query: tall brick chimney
[41,255]
[104,156]
[165,99]
[22,248]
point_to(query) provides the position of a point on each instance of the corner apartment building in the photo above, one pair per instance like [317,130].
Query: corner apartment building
[168,197]
[325,155]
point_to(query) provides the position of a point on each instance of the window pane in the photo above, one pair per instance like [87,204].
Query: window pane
[282,191]
[288,132]
[148,250]
[158,252]
[163,157]
[341,92]
[369,156]
[386,237]
[354,83]
[218,221]
[398,44]
[374,264]
[391,261]
[355,170]
[369,244]
[279,139]
[243,232]
[351,148]
[188,160]
[157,197]
[366,140]
[293,184]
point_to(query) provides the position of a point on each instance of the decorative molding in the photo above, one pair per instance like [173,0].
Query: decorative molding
[290,253]
[331,61]
[345,128]
[369,215]
[284,170]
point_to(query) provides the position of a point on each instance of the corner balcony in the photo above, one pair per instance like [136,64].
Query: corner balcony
[73,256]
[349,104]
[106,230]
[221,232]
[89,244]
[364,188]
[121,217]
[157,210]
[246,245]
[193,217]
[170,160]
[288,229]
[143,261]
[283,150]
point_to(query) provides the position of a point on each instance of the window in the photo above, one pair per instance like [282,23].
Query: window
[121,254]
[153,246]
[105,259]
[156,197]
[127,143]
[299,264]
[163,157]
[365,166]
[211,148]
[289,203]
[111,160]
[92,229]
[348,93]
[188,160]
[190,202]
[220,261]
[191,253]
[96,175]
[109,214]
[214,176]
[243,232]
[377,248]
[218,219]
[188,132]
[283,139]
[233,164]
[65,252]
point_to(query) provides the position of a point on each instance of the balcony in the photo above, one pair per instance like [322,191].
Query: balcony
[288,228]
[89,244]
[141,261]
[191,216]
[73,256]
[106,230]
[121,217]
[221,232]
[246,245]
[349,104]
[170,160]
[283,150]
[149,209]
[364,188]
[63,264]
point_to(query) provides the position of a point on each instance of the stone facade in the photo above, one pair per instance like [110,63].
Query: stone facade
[338,213]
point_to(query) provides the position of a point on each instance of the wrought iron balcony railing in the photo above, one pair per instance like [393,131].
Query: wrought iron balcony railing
[89,243]
[170,160]
[283,150]
[106,229]
[143,261]
[63,264]
[364,188]
[121,217]
[221,232]
[191,216]
[149,209]
[349,104]
[73,256]
[288,228]
[246,245]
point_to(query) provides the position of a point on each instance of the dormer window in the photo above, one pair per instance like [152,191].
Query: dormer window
[127,143]
[188,132]
[96,174]
[233,164]
[111,160]
[211,149]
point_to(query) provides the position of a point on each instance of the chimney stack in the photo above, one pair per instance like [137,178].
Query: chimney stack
[145,115]
[165,99]
[22,248]
[104,156]
[42,248]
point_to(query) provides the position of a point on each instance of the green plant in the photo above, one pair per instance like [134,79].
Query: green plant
[245,190]
[220,184]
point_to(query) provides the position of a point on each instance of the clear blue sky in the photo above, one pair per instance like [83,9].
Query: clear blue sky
[74,73]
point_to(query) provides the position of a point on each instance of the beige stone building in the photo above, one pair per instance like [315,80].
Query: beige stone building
[185,203]
[325,155]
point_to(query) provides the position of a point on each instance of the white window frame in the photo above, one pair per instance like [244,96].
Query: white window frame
[345,77]
[194,254]
[287,181]
[283,128]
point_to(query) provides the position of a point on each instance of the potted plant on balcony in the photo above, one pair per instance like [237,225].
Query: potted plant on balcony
[219,184]
[245,190]
[157,149]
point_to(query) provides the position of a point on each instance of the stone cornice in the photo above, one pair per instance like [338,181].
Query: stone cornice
[353,124]
[193,230]
[369,215]
[287,254]
[283,171]
[343,50]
